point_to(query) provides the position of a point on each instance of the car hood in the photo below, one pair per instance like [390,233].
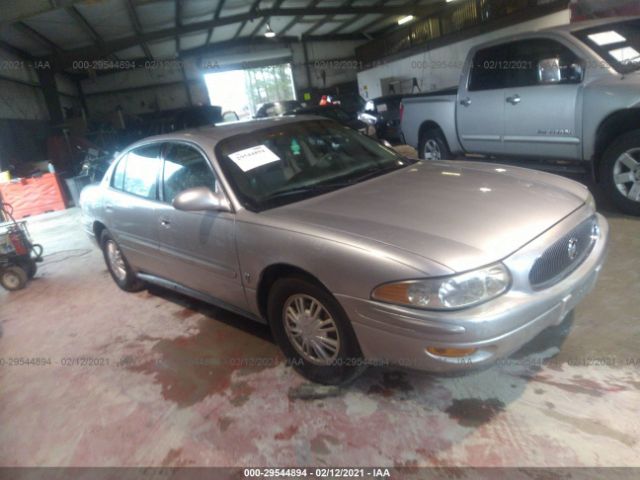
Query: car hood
[462,215]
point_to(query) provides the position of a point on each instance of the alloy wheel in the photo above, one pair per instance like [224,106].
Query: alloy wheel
[432,150]
[626,174]
[311,329]
[116,262]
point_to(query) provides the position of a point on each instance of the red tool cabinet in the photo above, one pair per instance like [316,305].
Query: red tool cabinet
[33,196]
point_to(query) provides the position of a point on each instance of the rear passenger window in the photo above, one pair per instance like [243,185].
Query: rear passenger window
[184,168]
[142,170]
[490,69]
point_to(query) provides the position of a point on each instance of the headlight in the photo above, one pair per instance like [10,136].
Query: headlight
[447,293]
[590,201]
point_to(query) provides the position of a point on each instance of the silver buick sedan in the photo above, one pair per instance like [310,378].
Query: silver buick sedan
[350,252]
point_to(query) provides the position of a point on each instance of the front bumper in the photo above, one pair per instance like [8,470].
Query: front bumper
[400,335]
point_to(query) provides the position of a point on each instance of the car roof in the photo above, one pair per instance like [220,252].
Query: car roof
[561,30]
[211,135]
[572,27]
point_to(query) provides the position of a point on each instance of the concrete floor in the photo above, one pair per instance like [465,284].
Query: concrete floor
[169,381]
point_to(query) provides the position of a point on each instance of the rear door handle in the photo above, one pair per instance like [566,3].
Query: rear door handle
[514,100]
[465,102]
[165,223]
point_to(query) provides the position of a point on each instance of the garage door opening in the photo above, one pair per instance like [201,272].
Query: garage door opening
[243,91]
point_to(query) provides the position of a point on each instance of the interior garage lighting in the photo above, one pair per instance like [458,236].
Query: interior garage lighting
[404,20]
[607,38]
[269,33]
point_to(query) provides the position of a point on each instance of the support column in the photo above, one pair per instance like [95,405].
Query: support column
[47,79]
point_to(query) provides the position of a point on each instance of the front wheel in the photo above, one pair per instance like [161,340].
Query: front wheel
[433,145]
[119,268]
[313,332]
[13,278]
[620,172]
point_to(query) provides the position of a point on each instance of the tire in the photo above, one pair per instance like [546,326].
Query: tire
[342,366]
[13,278]
[117,264]
[620,162]
[433,146]
[30,266]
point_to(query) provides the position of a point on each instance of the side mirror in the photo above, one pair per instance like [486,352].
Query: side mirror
[201,198]
[230,116]
[549,71]
[367,118]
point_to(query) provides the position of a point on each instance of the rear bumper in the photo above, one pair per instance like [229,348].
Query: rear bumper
[495,329]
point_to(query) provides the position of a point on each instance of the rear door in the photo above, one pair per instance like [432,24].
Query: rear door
[480,109]
[542,101]
[199,247]
[131,207]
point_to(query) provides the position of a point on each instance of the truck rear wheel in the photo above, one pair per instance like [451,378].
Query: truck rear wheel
[620,172]
[433,145]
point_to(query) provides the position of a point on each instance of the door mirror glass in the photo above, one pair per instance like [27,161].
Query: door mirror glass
[201,198]
[549,71]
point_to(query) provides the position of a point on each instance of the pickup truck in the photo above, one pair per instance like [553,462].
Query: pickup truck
[569,94]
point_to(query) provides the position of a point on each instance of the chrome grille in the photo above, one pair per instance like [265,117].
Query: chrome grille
[564,256]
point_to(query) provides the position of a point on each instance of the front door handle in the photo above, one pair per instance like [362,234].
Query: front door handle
[165,223]
[514,100]
[465,102]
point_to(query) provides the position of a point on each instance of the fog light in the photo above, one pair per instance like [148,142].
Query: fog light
[451,352]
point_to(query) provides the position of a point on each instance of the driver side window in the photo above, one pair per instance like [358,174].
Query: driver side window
[184,168]
[528,54]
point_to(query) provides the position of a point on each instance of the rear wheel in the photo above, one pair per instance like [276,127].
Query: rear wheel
[117,264]
[620,172]
[433,145]
[313,332]
[13,278]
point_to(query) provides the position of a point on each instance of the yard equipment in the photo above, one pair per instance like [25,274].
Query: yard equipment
[19,256]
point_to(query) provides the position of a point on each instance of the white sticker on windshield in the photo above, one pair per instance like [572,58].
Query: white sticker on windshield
[253,157]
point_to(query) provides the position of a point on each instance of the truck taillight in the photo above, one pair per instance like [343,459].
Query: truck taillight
[401,111]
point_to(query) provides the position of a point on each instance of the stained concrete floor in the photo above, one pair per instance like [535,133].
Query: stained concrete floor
[168,381]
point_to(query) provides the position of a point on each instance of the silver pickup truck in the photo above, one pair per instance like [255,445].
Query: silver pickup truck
[569,94]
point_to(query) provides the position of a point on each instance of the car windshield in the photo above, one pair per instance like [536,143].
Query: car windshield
[617,43]
[287,163]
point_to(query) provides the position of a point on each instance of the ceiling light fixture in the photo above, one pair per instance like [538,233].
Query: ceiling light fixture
[269,33]
[403,20]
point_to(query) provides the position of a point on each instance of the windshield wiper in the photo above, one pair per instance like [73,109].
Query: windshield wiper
[327,187]
[374,172]
[319,188]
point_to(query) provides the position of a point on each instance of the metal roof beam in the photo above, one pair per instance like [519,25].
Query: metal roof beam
[86,26]
[216,16]
[254,7]
[319,23]
[265,20]
[297,18]
[137,29]
[40,38]
[178,22]
[88,53]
